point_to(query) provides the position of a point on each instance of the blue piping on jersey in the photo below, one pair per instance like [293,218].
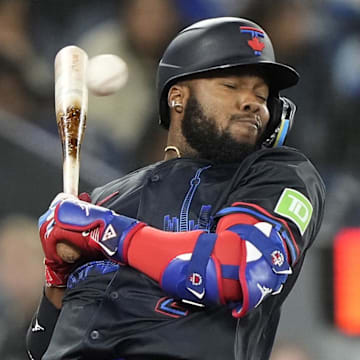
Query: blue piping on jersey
[184,212]
[96,266]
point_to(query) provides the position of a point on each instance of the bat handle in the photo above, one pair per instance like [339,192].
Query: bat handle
[68,252]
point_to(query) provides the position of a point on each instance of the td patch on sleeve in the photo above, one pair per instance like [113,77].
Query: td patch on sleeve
[296,207]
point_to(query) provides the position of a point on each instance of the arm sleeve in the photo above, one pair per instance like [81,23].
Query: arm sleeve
[41,329]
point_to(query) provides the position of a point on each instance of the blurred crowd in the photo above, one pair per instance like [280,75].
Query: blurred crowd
[320,38]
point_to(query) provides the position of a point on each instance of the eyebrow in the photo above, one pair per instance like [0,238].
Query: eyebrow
[262,82]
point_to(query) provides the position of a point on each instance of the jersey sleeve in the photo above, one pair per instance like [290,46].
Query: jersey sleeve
[281,187]
[41,329]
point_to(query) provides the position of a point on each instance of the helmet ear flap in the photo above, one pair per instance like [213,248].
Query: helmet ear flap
[282,111]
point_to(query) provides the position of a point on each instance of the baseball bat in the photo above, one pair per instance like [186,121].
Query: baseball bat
[71,104]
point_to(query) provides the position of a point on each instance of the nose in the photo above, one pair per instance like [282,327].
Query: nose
[250,106]
[247,102]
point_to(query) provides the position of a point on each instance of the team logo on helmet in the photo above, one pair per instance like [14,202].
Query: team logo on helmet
[255,42]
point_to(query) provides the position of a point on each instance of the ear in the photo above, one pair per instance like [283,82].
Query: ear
[177,97]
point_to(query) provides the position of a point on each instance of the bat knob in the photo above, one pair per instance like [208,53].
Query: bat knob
[67,252]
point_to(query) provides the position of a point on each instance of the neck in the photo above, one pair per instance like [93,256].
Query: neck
[177,145]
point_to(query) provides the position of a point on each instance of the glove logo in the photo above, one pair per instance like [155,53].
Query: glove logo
[109,233]
[265,291]
[197,294]
[277,258]
[37,327]
[195,279]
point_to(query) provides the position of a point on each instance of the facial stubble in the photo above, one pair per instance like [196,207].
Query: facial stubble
[211,143]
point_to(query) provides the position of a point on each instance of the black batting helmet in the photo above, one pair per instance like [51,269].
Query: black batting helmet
[221,43]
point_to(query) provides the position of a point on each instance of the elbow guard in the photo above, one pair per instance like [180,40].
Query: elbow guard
[195,276]
[264,265]
[262,269]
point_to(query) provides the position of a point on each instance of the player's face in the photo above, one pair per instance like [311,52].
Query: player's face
[226,115]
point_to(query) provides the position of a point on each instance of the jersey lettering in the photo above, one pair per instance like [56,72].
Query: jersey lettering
[170,307]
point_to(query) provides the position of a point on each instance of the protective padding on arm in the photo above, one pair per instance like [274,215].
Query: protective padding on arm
[241,264]
[166,258]
[182,263]
[264,266]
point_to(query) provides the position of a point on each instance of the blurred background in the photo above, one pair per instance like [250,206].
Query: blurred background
[320,38]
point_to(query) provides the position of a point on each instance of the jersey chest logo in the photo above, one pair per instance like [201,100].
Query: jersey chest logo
[183,221]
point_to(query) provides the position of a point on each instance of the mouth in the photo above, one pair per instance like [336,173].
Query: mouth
[253,121]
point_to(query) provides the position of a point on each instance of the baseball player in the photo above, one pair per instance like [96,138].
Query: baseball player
[193,256]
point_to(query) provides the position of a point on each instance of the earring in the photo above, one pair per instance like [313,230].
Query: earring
[177,106]
[170,147]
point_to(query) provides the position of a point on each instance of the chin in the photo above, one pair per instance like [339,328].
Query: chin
[251,140]
[246,136]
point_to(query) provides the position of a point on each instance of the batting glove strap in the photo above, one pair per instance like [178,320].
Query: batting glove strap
[195,276]
[117,236]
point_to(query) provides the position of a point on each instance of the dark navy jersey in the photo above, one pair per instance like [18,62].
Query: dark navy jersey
[112,311]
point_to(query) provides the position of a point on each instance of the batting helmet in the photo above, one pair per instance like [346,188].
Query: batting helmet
[227,42]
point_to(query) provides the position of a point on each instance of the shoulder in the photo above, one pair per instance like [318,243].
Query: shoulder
[281,156]
[286,168]
[284,164]
[131,182]
[283,182]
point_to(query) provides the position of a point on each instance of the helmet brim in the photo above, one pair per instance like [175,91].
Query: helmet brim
[278,77]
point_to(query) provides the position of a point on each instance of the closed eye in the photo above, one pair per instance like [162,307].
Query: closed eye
[230,85]
[263,98]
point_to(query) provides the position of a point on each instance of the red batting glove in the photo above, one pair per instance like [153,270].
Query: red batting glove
[56,270]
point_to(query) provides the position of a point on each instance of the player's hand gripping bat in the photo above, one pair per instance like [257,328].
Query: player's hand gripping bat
[71,104]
